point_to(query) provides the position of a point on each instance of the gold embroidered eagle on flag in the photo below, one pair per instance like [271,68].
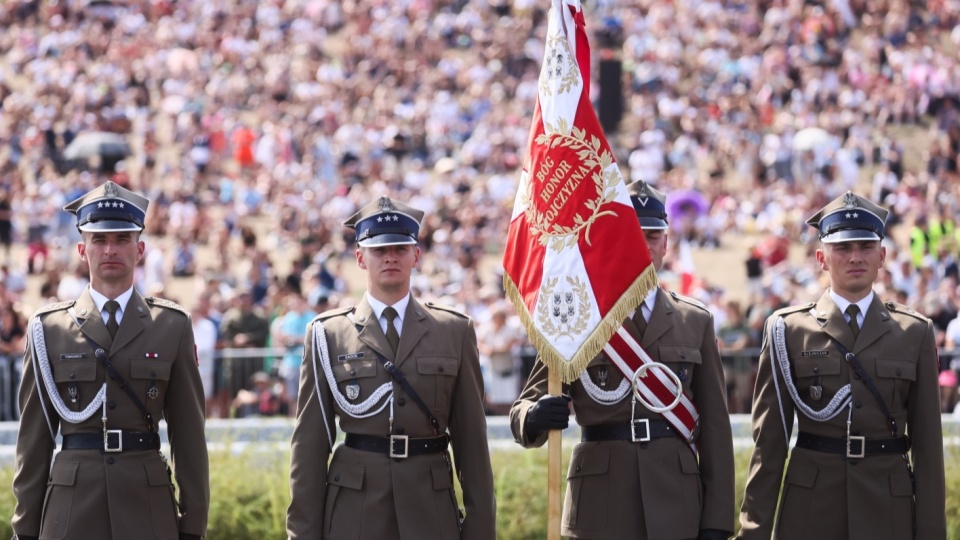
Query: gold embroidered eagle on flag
[576,264]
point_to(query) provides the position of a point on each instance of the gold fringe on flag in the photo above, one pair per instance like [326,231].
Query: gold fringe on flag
[570,370]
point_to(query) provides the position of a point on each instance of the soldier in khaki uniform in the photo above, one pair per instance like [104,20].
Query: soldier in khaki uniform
[861,377]
[657,489]
[377,366]
[109,480]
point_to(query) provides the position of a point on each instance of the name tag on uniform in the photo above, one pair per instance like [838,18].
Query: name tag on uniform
[815,353]
[351,356]
[73,356]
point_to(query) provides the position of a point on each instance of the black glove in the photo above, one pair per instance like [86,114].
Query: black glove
[713,534]
[549,412]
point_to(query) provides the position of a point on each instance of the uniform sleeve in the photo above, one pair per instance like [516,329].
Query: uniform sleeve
[310,448]
[533,390]
[468,434]
[772,413]
[35,446]
[184,412]
[716,439]
[924,429]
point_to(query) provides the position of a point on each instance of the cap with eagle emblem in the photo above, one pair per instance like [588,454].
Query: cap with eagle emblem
[386,222]
[109,208]
[849,218]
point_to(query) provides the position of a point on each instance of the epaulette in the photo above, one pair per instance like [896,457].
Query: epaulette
[687,300]
[334,312]
[794,309]
[163,302]
[900,308]
[442,307]
[58,306]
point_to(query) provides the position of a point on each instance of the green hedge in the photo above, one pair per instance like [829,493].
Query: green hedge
[250,494]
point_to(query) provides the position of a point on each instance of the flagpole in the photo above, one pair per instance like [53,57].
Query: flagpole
[554,455]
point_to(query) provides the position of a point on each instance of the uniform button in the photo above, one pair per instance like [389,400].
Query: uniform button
[73,375]
[336,478]
[578,468]
[153,373]
[858,404]
[899,372]
[111,404]
[353,372]
[400,430]
[401,402]
[440,369]
[110,460]
[816,369]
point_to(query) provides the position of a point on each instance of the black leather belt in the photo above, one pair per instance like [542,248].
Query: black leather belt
[640,430]
[113,440]
[397,446]
[854,447]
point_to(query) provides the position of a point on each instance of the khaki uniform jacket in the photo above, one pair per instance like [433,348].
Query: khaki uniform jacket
[825,496]
[119,496]
[366,495]
[660,489]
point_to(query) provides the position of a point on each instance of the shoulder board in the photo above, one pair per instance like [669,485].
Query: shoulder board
[58,306]
[801,308]
[163,302]
[688,300]
[900,308]
[442,307]
[334,313]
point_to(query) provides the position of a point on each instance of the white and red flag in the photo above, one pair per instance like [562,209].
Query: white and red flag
[576,263]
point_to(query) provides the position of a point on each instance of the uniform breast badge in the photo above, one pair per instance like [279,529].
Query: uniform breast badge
[602,375]
[74,392]
[816,392]
[153,392]
[353,391]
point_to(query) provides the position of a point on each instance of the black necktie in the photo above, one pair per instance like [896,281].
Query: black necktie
[112,325]
[853,310]
[639,320]
[393,336]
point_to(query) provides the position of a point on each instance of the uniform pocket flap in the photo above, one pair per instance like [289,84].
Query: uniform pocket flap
[688,462]
[150,369]
[74,371]
[346,475]
[679,355]
[437,365]
[157,474]
[896,369]
[64,473]
[441,478]
[805,367]
[900,484]
[802,474]
[354,369]
[589,463]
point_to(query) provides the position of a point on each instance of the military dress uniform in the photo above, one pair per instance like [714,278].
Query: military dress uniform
[392,477]
[109,479]
[849,475]
[656,489]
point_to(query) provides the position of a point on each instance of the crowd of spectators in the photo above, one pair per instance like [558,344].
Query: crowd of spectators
[257,127]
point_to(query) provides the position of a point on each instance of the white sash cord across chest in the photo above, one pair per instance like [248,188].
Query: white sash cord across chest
[46,373]
[364,409]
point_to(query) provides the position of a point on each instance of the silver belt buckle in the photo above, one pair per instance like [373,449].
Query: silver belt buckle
[406,446]
[863,446]
[645,422]
[107,434]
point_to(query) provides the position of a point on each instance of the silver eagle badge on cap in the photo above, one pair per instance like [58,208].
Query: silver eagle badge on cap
[110,190]
[849,200]
[385,204]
